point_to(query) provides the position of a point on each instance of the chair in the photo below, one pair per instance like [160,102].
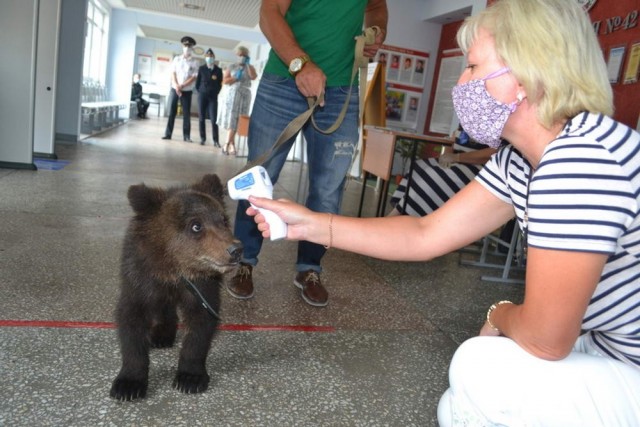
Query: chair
[499,253]
[243,134]
[377,160]
[156,99]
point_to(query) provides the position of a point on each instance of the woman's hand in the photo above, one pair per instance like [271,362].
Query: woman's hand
[447,159]
[297,217]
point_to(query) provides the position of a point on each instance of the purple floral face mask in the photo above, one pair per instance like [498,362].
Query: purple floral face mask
[481,115]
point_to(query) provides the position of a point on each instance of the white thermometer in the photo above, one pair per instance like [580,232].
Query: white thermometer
[256,182]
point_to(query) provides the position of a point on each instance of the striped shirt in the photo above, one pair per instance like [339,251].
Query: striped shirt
[432,185]
[585,196]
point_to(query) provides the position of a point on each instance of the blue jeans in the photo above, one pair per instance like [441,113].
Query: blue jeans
[277,102]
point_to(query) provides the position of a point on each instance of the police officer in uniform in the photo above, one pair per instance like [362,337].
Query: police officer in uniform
[184,70]
[208,85]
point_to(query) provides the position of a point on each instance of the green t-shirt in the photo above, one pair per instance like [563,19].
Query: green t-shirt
[325,29]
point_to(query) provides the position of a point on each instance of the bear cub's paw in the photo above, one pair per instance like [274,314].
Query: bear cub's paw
[128,389]
[191,383]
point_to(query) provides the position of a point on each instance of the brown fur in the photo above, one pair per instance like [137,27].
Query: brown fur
[178,233]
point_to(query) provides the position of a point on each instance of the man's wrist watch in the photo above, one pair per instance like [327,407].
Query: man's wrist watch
[296,64]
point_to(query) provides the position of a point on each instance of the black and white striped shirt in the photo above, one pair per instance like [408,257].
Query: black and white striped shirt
[585,196]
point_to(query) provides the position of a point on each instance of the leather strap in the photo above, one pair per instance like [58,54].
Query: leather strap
[361,63]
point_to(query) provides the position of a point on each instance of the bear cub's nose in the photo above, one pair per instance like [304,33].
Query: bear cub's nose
[235,251]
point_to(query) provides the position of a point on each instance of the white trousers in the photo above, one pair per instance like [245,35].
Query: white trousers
[494,382]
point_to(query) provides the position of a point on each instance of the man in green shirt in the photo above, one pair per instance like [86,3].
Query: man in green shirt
[313,44]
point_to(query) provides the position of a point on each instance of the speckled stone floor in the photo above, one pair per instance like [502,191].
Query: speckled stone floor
[377,355]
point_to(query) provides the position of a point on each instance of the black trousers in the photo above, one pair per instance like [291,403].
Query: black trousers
[185,101]
[143,106]
[208,105]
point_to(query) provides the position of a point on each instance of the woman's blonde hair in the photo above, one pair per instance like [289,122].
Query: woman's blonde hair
[243,50]
[552,50]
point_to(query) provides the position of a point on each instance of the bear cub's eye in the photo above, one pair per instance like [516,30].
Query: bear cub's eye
[195,227]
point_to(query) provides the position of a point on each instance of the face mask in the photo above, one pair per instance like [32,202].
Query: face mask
[209,60]
[186,50]
[136,80]
[481,115]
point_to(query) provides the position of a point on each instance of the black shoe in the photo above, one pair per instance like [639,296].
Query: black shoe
[216,144]
[202,141]
[166,137]
[187,139]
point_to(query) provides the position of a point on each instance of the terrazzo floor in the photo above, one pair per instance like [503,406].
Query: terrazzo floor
[377,355]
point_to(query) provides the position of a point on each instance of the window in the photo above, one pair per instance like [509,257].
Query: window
[96,43]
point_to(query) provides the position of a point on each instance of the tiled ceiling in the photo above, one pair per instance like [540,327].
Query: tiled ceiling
[203,41]
[235,14]
[241,14]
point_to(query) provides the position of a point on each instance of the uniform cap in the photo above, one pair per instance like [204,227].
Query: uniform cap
[188,40]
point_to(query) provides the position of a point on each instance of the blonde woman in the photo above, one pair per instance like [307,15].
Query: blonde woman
[238,76]
[569,354]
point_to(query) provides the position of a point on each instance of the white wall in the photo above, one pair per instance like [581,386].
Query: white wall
[121,57]
[413,24]
[439,8]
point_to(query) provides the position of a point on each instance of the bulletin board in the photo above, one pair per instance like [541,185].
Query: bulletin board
[405,74]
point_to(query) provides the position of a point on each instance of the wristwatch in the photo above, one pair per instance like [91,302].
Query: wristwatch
[296,64]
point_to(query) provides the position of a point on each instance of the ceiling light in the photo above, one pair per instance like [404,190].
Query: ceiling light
[191,6]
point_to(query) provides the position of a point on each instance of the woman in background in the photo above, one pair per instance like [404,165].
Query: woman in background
[238,77]
[434,181]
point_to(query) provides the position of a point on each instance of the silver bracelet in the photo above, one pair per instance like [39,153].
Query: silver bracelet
[493,307]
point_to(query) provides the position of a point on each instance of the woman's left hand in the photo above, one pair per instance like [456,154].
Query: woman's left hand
[447,159]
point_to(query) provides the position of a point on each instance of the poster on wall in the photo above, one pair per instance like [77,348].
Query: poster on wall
[614,65]
[443,118]
[633,64]
[144,67]
[161,69]
[404,66]
[403,103]
[405,77]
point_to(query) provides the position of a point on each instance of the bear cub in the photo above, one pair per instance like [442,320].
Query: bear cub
[176,236]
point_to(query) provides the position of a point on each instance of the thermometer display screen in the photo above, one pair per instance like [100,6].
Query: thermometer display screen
[244,181]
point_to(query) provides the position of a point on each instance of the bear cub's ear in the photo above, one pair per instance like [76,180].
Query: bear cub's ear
[210,184]
[145,200]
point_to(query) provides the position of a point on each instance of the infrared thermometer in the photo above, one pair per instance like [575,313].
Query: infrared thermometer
[256,182]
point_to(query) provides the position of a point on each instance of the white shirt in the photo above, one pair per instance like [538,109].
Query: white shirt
[185,68]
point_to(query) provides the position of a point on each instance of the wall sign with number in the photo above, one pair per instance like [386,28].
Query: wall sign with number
[616,23]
